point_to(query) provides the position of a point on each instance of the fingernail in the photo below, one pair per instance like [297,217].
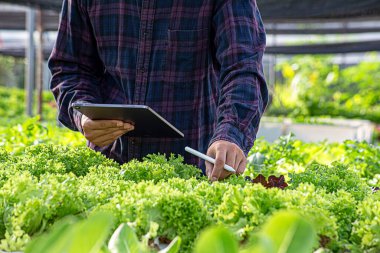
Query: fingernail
[127,127]
[213,179]
[119,124]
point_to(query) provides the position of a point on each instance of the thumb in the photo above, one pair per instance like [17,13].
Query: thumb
[83,120]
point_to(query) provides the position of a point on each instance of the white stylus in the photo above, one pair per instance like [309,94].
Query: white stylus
[207,158]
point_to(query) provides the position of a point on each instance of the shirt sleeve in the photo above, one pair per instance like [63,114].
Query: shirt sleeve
[243,95]
[75,64]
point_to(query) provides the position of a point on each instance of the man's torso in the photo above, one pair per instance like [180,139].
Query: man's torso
[158,53]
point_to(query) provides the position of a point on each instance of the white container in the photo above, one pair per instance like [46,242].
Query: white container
[331,130]
[271,131]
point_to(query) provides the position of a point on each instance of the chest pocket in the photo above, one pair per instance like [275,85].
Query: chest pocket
[186,57]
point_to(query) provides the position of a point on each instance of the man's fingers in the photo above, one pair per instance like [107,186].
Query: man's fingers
[104,132]
[225,153]
[242,166]
[238,161]
[220,160]
[231,159]
[209,167]
[91,134]
[105,124]
[225,174]
[128,126]
[94,134]
[211,151]
[108,138]
[104,144]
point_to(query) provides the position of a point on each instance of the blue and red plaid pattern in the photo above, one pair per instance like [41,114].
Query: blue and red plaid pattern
[198,63]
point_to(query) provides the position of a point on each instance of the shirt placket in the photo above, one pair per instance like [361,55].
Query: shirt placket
[142,67]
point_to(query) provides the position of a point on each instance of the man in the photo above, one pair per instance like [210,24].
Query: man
[198,63]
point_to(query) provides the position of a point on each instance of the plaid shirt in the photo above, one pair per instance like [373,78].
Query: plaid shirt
[198,63]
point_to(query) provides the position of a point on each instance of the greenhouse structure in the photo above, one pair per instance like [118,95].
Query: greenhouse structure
[280,153]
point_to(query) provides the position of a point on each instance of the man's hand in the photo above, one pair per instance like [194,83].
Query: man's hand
[103,132]
[225,153]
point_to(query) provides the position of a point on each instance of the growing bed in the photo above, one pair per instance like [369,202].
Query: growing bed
[334,186]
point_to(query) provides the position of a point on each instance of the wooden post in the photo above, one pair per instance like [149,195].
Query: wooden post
[30,57]
[39,62]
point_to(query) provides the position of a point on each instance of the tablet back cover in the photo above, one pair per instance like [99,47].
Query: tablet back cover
[147,122]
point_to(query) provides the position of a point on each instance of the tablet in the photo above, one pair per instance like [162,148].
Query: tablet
[148,123]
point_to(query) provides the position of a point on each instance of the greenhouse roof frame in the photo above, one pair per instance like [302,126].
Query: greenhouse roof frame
[301,13]
[273,10]
[15,20]
[327,48]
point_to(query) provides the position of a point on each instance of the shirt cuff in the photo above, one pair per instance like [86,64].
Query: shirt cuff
[77,116]
[230,133]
